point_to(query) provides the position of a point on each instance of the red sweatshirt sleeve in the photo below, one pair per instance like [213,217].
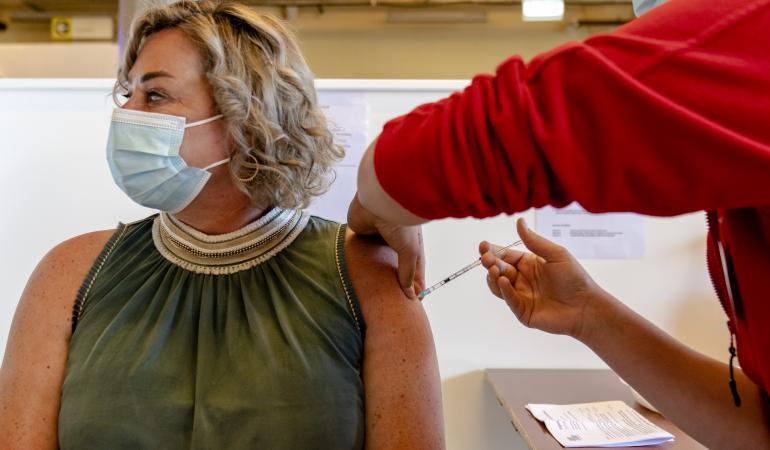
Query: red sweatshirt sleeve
[669,114]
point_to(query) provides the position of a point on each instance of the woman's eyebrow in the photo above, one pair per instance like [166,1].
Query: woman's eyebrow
[150,75]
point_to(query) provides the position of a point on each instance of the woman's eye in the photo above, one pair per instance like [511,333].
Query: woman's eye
[153,96]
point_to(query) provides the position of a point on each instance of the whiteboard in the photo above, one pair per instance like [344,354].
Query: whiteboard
[55,184]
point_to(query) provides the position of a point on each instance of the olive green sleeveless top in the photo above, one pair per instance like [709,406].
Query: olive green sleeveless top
[249,340]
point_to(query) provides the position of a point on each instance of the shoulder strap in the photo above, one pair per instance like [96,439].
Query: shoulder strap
[342,268]
[104,255]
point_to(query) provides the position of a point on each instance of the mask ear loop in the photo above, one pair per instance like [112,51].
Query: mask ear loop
[204,121]
[255,166]
[216,164]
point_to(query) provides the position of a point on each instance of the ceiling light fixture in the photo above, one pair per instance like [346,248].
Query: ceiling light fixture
[540,10]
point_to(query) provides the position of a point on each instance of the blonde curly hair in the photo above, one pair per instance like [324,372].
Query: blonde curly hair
[283,150]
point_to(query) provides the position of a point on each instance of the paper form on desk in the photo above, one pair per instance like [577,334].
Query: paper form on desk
[599,424]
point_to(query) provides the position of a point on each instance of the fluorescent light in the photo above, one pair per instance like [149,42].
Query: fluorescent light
[535,10]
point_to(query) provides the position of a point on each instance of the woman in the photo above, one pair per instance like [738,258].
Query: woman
[229,320]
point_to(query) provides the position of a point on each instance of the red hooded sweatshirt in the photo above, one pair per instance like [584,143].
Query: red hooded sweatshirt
[669,114]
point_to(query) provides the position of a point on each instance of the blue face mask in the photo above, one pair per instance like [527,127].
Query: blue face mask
[143,154]
[642,6]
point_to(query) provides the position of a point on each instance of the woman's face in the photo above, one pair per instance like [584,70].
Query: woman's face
[168,78]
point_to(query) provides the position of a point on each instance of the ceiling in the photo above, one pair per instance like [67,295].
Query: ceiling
[52,6]
[28,20]
[111,6]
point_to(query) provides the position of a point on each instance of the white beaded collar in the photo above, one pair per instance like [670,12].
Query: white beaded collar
[227,253]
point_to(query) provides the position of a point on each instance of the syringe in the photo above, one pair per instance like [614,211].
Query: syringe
[462,271]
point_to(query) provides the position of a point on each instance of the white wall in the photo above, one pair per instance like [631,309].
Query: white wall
[54,184]
[60,60]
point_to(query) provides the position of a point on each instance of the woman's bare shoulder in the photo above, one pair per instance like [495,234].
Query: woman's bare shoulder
[372,268]
[55,281]
[75,256]
[371,265]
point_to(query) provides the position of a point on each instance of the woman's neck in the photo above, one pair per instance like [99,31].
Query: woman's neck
[221,222]
[221,208]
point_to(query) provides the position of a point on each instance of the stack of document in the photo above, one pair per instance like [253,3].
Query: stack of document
[599,424]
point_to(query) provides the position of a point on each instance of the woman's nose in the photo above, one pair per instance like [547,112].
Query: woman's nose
[127,105]
[133,103]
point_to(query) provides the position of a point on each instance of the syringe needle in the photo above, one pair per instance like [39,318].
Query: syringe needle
[465,269]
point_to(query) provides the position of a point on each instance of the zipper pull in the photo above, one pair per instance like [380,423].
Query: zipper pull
[733,384]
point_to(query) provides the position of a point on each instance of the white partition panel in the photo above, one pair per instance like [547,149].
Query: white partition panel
[55,184]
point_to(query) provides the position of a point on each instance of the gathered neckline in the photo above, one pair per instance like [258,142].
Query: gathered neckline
[228,253]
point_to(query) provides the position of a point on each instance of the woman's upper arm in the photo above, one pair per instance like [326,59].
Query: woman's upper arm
[36,353]
[401,377]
